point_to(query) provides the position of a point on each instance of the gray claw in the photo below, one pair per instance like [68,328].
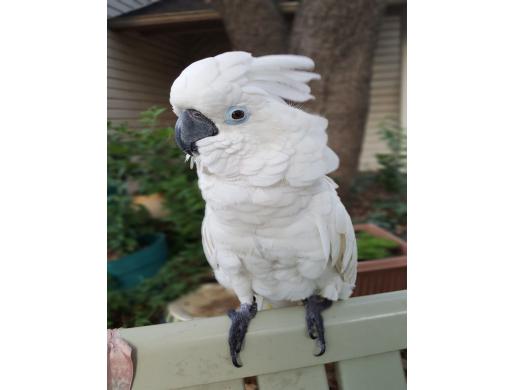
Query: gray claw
[240,320]
[314,320]
[321,344]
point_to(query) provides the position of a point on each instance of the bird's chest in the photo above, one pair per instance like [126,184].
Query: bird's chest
[266,241]
[246,207]
[272,231]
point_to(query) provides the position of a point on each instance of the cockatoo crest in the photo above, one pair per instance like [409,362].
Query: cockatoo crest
[229,75]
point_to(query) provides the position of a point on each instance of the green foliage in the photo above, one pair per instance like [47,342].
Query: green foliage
[390,214]
[126,224]
[392,173]
[142,158]
[146,303]
[147,161]
[380,196]
[391,211]
[371,247]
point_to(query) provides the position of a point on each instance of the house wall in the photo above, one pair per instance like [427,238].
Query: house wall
[140,70]
[385,90]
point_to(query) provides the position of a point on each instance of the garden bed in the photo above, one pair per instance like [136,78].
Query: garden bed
[382,274]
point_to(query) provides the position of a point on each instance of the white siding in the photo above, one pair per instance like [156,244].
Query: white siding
[385,90]
[141,67]
[404,67]
[140,71]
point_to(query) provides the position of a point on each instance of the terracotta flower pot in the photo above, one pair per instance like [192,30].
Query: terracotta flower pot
[381,275]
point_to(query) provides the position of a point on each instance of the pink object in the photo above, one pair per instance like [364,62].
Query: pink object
[120,369]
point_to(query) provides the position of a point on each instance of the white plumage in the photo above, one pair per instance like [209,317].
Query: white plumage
[274,226]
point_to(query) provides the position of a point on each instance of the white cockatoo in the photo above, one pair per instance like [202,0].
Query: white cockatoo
[274,227]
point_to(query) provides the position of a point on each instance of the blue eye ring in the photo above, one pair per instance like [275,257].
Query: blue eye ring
[236,115]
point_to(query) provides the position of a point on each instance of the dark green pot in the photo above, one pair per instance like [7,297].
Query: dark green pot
[130,270]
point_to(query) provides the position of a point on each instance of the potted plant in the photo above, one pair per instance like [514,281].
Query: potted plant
[382,261]
[134,249]
[160,196]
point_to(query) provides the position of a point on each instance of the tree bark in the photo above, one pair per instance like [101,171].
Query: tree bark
[256,26]
[340,36]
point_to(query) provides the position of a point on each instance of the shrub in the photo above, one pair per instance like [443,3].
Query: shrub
[126,225]
[146,303]
[392,172]
[390,212]
[146,161]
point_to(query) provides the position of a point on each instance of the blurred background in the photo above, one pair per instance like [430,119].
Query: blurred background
[154,206]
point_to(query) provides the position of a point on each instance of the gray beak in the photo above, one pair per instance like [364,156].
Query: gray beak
[192,126]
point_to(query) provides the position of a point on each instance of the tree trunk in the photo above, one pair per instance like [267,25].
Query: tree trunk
[340,36]
[256,26]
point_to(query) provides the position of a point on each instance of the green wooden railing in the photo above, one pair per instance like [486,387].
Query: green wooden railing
[364,336]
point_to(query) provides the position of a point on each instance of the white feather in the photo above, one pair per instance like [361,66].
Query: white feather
[283,91]
[283,61]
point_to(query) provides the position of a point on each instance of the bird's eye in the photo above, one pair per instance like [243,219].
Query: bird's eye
[236,115]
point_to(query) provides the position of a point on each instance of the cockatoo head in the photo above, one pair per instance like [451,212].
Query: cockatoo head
[237,99]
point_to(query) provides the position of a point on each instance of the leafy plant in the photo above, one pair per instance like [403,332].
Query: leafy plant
[146,303]
[392,173]
[371,247]
[390,212]
[126,224]
[146,161]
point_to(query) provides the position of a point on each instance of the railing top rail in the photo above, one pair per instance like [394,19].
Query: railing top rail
[176,355]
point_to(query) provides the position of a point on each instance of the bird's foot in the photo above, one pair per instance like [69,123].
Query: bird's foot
[240,319]
[315,304]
